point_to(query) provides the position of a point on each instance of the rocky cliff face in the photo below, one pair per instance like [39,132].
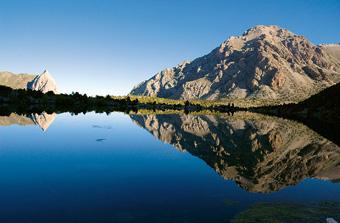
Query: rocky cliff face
[266,62]
[260,153]
[43,82]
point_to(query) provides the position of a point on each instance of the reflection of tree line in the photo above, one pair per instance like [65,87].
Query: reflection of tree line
[260,153]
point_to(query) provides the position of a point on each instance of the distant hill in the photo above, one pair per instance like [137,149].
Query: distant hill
[15,81]
[324,106]
[332,49]
[266,62]
[320,111]
[43,82]
[326,100]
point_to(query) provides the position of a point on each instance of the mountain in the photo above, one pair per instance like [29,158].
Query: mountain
[43,82]
[266,62]
[15,81]
[260,153]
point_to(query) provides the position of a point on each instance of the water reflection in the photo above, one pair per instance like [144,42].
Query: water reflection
[260,153]
[43,120]
[104,168]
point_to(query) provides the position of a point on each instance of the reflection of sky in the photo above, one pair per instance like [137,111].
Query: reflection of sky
[66,174]
[107,47]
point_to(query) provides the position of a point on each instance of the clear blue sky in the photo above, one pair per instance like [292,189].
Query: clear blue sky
[106,47]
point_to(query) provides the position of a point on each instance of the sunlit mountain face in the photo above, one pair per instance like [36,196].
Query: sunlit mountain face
[260,153]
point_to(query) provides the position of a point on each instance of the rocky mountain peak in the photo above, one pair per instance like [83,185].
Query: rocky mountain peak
[44,83]
[267,30]
[45,72]
[265,62]
[253,36]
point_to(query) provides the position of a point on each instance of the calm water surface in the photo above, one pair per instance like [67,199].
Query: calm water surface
[109,168]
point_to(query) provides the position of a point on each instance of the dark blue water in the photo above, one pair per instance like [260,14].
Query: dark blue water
[105,168]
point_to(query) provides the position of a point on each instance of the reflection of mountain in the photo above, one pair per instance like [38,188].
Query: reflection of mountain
[43,120]
[260,153]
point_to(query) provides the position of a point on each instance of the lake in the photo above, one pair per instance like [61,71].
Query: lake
[117,167]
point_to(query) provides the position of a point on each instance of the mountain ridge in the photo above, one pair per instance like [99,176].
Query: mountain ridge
[266,62]
[15,81]
[43,82]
